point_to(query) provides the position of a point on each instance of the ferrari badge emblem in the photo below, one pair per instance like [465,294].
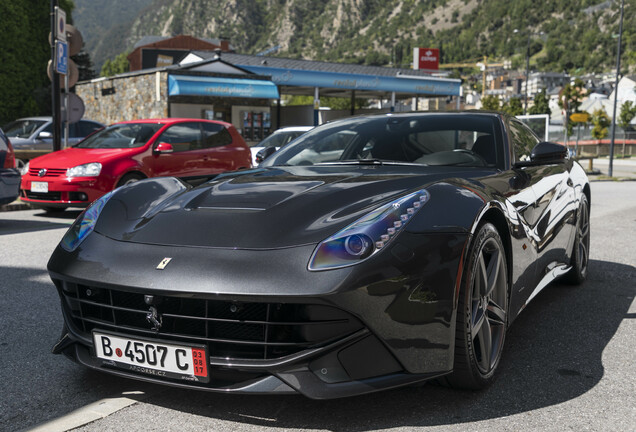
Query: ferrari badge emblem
[164,262]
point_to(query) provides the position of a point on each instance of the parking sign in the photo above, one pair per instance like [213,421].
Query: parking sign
[61,57]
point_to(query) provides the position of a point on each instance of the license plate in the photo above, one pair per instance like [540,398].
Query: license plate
[158,358]
[42,187]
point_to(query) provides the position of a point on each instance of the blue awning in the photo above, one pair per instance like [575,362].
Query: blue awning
[192,85]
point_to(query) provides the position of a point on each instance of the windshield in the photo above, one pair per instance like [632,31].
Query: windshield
[22,128]
[123,135]
[279,139]
[434,139]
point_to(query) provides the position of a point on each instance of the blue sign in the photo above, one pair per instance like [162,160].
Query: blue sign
[61,57]
[193,85]
[412,84]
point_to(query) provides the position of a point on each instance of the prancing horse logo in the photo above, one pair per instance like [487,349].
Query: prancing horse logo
[164,262]
[154,318]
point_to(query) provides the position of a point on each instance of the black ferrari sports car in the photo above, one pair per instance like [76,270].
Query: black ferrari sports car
[373,252]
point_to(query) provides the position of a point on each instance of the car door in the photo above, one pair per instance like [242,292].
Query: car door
[186,158]
[548,203]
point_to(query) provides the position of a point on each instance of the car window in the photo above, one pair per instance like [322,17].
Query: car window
[215,135]
[280,139]
[427,140]
[523,140]
[121,135]
[182,137]
[22,128]
[88,127]
[73,130]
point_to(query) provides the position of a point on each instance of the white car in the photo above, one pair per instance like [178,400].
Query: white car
[278,139]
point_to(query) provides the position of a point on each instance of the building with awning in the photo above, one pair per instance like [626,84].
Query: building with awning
[246,90]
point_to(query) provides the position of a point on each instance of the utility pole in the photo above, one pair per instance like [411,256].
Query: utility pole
[55,86]
[618,72]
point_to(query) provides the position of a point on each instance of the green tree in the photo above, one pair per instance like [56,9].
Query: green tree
[570,100]
[490,103]
[601,122]
[513,107]
[117,66]
[541,104]
[24,53]
[628,112]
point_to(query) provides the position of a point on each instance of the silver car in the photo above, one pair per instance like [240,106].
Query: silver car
[36,133]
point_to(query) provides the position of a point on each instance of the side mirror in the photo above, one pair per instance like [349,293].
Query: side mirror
[164,148]
[548,152]
[545,153]
[264,154]
[45,135]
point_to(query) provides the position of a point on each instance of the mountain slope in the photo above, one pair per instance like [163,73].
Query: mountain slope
[577,34]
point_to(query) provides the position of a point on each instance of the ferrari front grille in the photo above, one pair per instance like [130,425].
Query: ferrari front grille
[231,330]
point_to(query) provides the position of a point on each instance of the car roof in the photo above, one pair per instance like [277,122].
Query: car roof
[173,120]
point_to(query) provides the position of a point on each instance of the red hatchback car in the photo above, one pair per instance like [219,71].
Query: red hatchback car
[130,151]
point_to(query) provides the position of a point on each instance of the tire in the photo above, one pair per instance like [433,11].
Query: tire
[482,316]
[581,249]
[129,178]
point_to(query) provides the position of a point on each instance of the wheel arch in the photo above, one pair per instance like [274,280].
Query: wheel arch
[494,215]
[131,172]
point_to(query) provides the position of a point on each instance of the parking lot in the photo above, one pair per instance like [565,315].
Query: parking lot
[568,364]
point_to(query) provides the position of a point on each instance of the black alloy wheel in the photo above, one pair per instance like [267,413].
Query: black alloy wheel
[581,249]
[482,316]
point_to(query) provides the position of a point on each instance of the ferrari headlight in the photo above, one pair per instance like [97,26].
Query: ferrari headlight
[84,224]
[367,235]
[87,170]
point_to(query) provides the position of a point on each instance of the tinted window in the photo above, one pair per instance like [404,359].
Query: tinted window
[182,137]
[460,140]
[279,139]
[523,140]
[123,135]
[87,127]
[215,135]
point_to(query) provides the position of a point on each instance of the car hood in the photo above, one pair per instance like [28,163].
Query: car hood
[74,156]
[259,209]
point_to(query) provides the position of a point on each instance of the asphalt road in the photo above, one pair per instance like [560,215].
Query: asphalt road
[568,364]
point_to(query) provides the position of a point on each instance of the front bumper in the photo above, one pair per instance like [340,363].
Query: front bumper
[63,191]
[381,324]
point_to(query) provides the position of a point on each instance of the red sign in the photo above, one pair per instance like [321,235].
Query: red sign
[426,58]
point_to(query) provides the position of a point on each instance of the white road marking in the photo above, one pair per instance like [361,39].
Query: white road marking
[87,414]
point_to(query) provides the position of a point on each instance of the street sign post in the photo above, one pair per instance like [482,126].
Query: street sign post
[60,24]
[581,117]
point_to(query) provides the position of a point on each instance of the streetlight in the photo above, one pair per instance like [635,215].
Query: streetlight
[530,34]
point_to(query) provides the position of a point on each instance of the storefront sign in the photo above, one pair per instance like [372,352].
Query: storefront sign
[426,58]
[226,87]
